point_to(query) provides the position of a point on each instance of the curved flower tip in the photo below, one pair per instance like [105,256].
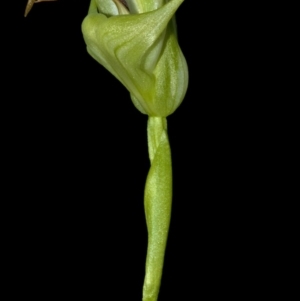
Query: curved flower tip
[140,49]
[30,5]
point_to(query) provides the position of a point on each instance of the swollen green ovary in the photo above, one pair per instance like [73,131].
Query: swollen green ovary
[158,200]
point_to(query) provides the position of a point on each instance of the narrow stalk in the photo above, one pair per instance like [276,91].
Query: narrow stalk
[158,201]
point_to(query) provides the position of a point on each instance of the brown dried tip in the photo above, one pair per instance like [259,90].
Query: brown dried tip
[28,7]
[30,4]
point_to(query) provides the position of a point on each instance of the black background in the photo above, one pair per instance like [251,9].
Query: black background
[77,156]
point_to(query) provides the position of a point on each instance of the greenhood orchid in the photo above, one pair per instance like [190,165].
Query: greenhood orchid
[136,41]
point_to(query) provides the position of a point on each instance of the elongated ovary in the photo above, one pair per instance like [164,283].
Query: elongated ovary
[30,4]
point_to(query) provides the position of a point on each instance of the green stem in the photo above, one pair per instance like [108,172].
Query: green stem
[158,201]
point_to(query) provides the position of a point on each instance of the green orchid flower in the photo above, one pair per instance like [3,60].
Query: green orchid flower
[136,41]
